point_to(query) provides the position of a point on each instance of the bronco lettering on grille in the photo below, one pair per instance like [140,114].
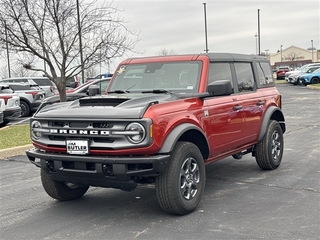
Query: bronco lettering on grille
[79,132]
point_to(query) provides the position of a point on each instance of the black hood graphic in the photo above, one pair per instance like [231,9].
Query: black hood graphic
[105,106]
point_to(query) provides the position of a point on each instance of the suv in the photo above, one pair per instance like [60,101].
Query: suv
[45,83]
[162,121]
[282,72]
[302,69]
[11,108]
[294,77]
[31,97]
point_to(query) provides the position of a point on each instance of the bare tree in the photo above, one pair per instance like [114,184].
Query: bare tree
[164,52]
[47,30]
[292,56]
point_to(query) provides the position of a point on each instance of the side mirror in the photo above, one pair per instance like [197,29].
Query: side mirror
[220,88]
[93,90]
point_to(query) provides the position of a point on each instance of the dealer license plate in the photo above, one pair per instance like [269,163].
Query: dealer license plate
[77,147]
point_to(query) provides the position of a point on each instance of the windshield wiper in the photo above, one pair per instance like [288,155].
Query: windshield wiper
[123,91]
[158,91]
[119,91]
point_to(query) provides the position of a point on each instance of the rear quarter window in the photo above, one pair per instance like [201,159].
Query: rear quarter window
[265,78]
[4,89]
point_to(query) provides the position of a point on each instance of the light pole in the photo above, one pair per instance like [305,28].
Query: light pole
[281,53]
[256,36]
[312,49]
[7,46]
[205,27]
[259,32]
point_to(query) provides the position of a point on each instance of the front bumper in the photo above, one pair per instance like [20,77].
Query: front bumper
[103,171]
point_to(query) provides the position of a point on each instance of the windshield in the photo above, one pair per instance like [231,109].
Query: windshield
[181,77]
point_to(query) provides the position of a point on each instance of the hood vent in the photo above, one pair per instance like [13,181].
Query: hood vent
[111,102]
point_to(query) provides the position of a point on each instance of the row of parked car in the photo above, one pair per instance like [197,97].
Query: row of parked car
[307,74]
[21,97]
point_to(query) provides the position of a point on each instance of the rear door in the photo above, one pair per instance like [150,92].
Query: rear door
[253,103]
[225,114]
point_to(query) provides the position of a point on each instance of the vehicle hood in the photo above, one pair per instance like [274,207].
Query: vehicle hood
[105,106]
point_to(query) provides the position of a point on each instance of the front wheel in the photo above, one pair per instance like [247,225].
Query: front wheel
[269,149]
[61,190]
[180,186]
[314,80]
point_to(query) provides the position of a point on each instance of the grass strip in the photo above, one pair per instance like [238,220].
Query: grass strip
[13,136]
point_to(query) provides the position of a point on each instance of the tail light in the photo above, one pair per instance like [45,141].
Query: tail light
[5,98]
[33,93]
[52,88]
[76,84]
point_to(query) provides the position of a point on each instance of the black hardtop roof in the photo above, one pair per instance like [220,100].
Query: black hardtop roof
[217,56]
[234,57]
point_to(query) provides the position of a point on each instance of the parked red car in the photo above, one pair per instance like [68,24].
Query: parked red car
[282,72]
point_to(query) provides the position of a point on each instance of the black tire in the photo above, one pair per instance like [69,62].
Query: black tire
[181,185]
[60,190]
[269,150]
[314,80]
[4,123]
[25,109]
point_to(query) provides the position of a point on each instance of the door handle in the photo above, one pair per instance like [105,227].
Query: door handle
[260,103]
[237,108]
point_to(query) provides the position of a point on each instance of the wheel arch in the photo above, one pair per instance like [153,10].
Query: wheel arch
[22,99]
[186,132]
[273,113]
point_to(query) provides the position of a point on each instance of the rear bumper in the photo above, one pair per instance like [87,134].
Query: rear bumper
[12,113]
[35,105]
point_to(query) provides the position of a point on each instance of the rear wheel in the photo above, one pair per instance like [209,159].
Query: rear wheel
[25,109]
[180,186]
[61,190]
[269,150]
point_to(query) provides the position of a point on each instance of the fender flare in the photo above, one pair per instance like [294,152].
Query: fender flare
[269,115]
[176,133]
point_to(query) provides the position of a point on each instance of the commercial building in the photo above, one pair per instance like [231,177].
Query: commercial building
[293,57]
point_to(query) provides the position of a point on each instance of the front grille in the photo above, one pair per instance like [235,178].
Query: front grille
[101,134]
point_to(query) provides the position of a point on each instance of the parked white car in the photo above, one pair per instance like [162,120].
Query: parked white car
[302,69]
[11,101]
[45,83]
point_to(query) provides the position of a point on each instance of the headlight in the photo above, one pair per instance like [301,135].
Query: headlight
[135,132]
[36,129]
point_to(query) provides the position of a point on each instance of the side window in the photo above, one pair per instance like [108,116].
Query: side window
[265,74]
[220,71]
[245,77]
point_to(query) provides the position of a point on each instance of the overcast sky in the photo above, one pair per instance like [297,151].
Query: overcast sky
[178,25]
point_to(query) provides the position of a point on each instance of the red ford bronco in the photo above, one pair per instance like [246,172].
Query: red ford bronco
[161,120]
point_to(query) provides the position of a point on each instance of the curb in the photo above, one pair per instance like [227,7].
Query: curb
[15,151]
